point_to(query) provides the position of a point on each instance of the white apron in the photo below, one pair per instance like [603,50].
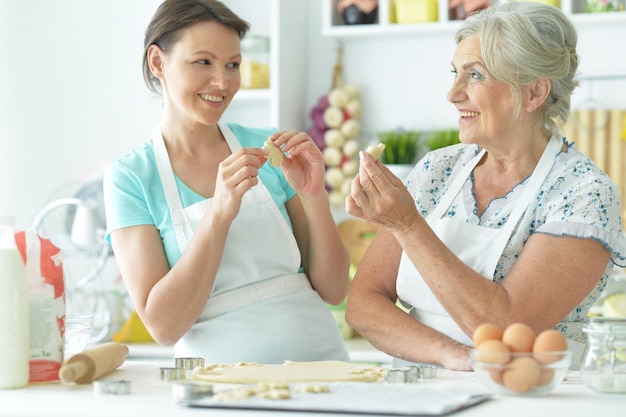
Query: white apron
[261,308]
[478,247]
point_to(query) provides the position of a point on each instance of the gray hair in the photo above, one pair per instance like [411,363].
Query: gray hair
[521,41]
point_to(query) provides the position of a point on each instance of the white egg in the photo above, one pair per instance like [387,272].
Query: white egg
[334,177]
[351,128]
[336,198]
[346,187]
[333,116]
[352,90]
[334,137]
[354,108]
[338,97]
[332,156]
[350,167]
[351,148]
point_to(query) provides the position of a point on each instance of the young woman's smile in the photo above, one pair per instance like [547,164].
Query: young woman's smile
[201,74]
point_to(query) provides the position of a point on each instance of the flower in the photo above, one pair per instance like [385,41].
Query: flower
[594,6]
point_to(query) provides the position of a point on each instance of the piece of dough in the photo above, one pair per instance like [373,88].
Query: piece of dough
[265,390]
[275,394]
[314,371]
[275,155]
[233,395]
[312,388]
[376,150]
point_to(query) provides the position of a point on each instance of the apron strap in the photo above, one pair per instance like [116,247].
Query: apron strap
[166,174]
[263,194]
[253,293]
[456,185]
[534,183]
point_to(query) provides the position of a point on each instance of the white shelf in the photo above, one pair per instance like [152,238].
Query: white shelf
[333,26]
[362,31]
[284,23]
[257,94]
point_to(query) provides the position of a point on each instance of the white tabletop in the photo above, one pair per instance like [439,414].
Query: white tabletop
[150,396]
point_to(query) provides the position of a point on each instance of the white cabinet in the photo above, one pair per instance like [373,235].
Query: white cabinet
[333,24]
[282,105]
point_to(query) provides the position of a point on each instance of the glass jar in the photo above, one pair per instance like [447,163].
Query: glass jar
[255,62]
[604,361]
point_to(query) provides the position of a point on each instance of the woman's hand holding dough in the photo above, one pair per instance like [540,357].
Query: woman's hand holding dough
[380,197]
[274,154]
[304,165]
[236,175]
[376,150]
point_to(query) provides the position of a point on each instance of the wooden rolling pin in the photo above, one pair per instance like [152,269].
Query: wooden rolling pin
[93,363]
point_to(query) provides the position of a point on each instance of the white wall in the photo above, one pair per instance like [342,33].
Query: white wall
[72,96]
[404,78]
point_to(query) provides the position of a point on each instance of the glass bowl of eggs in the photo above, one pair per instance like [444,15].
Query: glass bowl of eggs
[515,361]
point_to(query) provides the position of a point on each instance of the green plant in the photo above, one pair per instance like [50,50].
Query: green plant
[401,146]
[441,138]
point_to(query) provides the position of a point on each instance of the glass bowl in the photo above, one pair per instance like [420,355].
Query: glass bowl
[78,330]
[520,373]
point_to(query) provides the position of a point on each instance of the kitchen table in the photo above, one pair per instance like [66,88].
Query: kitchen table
[150,396]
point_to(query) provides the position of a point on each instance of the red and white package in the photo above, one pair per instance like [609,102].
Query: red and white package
[46,291]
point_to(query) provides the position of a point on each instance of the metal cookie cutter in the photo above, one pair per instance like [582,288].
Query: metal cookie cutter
[413,374]
[424,371]
[395,376]
[185,391]
[172,374]
[410,374]
[120,387]
[188,363]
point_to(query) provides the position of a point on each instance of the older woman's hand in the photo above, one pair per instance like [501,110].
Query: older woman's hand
[379,197]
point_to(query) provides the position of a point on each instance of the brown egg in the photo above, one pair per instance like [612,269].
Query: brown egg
[519,337]
[522,374]
[486,331]
[496,376]
[547,375]
[492,351]
[549,341]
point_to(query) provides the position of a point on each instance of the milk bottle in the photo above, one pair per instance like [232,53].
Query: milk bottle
[14,311]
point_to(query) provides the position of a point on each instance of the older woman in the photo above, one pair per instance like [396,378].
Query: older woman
[512,225]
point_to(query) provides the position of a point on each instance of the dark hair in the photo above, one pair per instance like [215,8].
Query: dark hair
[173,16]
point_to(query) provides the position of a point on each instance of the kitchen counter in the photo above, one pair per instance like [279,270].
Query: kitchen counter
[150,396]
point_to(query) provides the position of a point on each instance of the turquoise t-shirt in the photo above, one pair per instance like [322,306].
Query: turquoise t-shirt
[133,193]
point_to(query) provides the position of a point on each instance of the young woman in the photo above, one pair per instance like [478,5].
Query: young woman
[223,255]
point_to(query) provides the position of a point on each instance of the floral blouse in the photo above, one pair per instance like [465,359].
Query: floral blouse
[576,199]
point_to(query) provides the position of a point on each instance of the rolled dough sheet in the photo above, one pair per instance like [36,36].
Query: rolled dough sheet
[314,371]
